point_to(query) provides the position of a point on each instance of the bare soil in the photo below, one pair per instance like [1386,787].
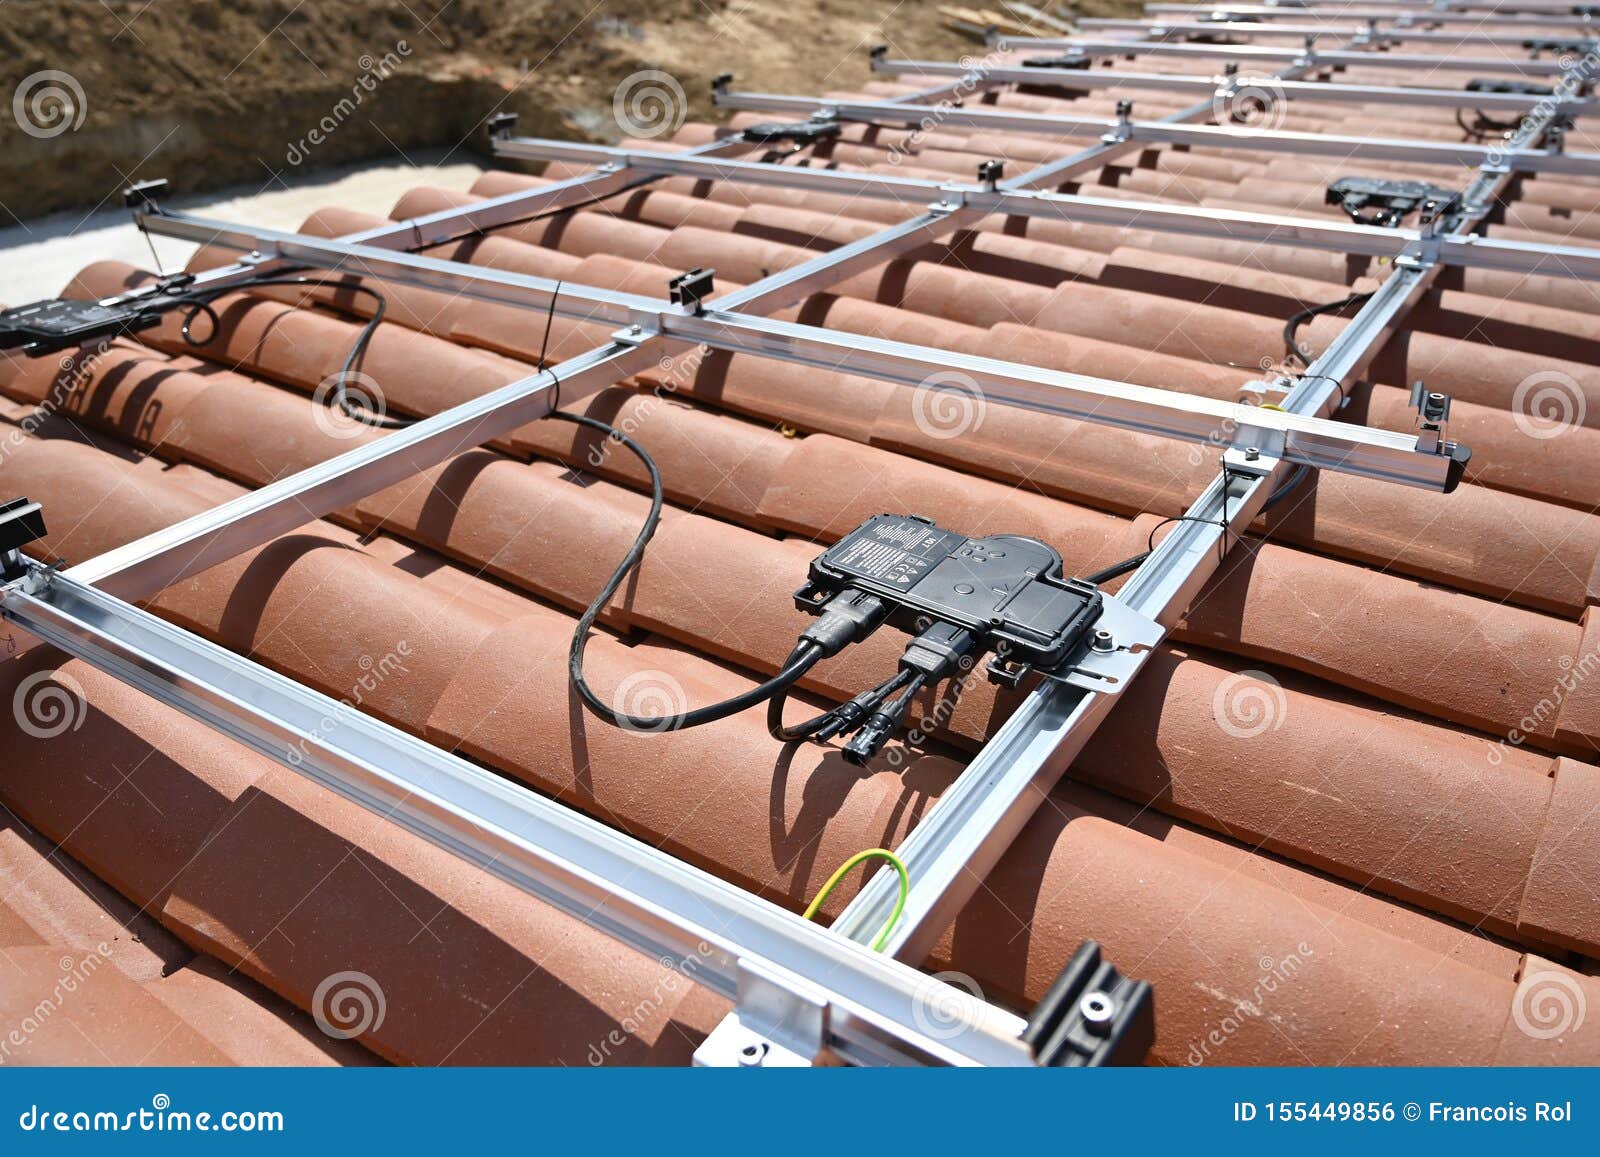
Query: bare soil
[211,94]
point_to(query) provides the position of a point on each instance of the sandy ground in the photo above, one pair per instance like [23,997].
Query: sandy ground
[39,257]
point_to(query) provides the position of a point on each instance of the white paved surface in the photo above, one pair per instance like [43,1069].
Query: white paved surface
[39,257]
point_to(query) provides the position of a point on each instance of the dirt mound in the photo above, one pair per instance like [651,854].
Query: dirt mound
[210,94]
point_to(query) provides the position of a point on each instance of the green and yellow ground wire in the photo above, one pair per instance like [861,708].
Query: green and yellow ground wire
[899,904]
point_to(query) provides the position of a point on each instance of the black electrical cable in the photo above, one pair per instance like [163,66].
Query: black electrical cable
[800,660]
[1116,570]
[201,303]
[835,719]
[1483,126]
[1296,476]
[1291,327]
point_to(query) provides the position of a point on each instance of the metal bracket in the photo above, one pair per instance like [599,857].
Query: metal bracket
[777,1022]
[1123,130]
[1116,645]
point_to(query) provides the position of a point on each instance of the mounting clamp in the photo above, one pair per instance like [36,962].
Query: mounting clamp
[777,1022]
[141,196]
[1092,1016]
[21,522]
[688,290]
[1124,127]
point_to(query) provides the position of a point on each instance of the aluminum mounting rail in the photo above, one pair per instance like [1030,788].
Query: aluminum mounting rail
[1312,441]
[869,1008]
[1304,90]
[1191,220]
[978,817]
[1263,54]
[993,119]
[1359,35]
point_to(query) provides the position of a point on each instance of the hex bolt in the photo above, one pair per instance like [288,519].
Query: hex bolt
[1252,453]
[1102,641]
[752,1055]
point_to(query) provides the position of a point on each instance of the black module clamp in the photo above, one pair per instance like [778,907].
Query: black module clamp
[688,290]
[1376,201]
[21,522]
[1092,1016]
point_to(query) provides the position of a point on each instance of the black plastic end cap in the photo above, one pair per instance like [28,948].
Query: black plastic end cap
[21,522]
[1092,1016]
[143,193]
[501,124]
[1459,457]
[720,82]
[878,52]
